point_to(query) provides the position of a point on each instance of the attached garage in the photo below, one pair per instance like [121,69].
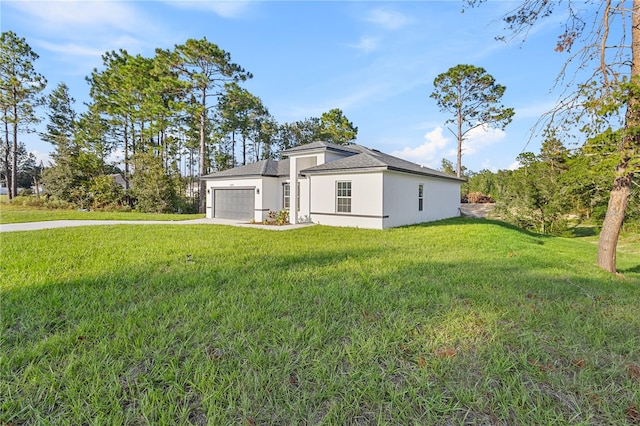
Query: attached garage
[236,203]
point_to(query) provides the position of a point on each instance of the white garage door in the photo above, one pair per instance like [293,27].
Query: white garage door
[236,204]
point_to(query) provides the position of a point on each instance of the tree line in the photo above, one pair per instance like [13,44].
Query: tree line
[172,118]
[555,187]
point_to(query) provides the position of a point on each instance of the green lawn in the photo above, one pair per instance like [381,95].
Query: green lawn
[18,214]
[458,322]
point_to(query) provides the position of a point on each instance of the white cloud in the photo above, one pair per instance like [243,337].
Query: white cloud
[366,44]
[71,14]
[480,138]
[514,166]
[225,9]
[87,29]
[387,19]
[72,49]
[42,157]
[430,151]
[438,146]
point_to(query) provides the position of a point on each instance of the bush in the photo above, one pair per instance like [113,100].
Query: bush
[154,189]
[106,192]
[277,217]
[42,202]
[282,217]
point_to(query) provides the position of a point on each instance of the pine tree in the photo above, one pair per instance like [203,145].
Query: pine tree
[20,86]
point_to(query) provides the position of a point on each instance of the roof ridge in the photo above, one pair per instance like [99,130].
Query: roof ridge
[373,156]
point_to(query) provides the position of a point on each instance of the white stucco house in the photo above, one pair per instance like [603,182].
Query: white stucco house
[336,185]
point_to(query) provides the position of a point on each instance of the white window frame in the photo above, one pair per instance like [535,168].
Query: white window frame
[420,197]
[286,196]
[343,196]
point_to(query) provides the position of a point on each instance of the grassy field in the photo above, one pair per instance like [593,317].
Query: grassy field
[18,214]
[458,322]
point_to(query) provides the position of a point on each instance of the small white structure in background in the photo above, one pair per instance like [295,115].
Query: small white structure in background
[119,179]
[337,185]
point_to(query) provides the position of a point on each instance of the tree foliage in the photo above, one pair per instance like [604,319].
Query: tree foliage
[335,127]
[205,69]
[332,126]
[243,115]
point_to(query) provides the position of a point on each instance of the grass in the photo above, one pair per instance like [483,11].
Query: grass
[458,322]
[18,214]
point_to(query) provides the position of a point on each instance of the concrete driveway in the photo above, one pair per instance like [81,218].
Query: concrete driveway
[34,226]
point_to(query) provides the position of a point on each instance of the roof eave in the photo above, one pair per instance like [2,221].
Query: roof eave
[209,177]
[416,172]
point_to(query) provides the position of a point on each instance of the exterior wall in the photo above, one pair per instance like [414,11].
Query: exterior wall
[441,199]
[296,164]
[366,200]
[333,156]
[303,210]
[265,192]
[271,197]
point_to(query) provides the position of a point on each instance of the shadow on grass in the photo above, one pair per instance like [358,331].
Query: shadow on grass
[634,269]
[584,231]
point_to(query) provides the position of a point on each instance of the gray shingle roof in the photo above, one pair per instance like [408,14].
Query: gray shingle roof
[261,168]
[369,159]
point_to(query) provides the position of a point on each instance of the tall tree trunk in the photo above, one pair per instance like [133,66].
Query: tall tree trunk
[460,138]
[7,154]
[613,220]
[126,154]
[203,152]
[619,197]
[244,150]
[14,152]
[233,149]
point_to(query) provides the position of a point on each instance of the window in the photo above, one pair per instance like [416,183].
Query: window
[420,197]
[286,196]
[343,197]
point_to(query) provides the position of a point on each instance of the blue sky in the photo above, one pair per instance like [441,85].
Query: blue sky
[374,60]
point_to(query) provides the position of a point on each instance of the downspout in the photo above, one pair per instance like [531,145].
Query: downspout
[309,197]
[293,190]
